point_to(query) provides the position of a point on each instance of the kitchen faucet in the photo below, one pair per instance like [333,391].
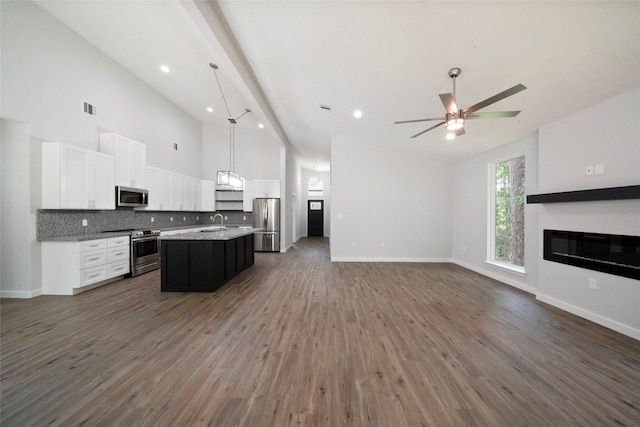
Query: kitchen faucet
[221,219]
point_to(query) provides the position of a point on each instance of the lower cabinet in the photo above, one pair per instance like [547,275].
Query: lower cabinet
[72,267]
[203,265]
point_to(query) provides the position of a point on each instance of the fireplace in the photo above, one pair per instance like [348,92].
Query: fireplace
[608,253]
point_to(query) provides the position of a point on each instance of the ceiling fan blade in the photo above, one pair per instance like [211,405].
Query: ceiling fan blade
[427,130]
[492,115]
[495,98]
[449,103]
[417,120]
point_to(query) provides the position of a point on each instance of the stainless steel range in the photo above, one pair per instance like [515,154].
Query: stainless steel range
[145,251]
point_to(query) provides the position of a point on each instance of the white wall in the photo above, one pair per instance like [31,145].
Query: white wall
[48,71]
[471,210]
[391,197]
[607,134]
[257,153]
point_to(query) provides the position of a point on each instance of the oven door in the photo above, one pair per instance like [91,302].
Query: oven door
[145,250]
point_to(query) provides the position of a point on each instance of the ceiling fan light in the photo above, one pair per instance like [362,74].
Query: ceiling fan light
[451,135]
[455,123]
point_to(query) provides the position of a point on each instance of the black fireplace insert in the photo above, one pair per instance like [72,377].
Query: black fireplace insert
[608,253]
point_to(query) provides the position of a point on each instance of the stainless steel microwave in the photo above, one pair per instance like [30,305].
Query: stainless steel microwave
[132,197]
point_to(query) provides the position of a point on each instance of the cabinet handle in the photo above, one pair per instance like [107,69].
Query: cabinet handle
[118,269]
[94,275]
[94,259]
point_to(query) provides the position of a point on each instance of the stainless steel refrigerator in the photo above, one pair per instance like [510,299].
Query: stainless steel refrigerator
[266,215]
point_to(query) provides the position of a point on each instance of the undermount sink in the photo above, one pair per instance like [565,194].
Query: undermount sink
[215,228]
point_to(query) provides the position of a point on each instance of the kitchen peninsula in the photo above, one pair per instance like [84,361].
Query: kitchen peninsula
[202,261]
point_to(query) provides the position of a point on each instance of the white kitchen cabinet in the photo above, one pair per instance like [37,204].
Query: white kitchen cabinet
[130,157]
[191,199]
[72,267]
[269,188]
[207,195]
[76,178]
[177,192]
[159,186]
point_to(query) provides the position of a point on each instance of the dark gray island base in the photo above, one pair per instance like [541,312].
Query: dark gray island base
[204,261]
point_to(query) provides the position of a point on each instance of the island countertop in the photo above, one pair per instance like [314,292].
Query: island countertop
[213,233]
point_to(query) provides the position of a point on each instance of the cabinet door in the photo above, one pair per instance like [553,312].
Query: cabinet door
[153,177]
[75,178]
[247,196]
[122,153]
[207,196]
[103,182]
[177,191]
[165,184]
[273,188]
[137,164]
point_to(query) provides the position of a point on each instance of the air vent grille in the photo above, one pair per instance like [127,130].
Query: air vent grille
[90,109]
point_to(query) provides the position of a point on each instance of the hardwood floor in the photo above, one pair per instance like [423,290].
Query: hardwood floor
[297,340]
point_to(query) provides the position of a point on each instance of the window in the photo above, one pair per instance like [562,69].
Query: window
[506,213]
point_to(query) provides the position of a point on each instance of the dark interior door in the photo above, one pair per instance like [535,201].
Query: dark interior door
[315,218]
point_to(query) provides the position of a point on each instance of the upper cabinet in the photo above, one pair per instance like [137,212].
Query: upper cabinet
[207,195]
[267,188]
[76,178]
[130,157]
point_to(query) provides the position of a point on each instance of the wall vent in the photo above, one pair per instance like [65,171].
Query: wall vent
[90,109]
[325,107]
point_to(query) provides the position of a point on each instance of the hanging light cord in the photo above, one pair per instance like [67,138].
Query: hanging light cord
[232,121]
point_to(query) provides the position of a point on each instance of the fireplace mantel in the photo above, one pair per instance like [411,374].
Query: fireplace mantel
[611,193]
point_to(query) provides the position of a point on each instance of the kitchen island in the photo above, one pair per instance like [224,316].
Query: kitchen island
[202,261]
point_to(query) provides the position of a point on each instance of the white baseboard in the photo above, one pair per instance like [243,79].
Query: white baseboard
[21,294]
[595,318]
[506,280]
[354,259]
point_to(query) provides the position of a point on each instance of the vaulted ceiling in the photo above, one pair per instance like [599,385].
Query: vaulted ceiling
[389,59]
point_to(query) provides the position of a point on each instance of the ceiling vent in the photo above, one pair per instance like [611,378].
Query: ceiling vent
[325,107]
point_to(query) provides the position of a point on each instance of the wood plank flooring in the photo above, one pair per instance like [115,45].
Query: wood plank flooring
[297,340]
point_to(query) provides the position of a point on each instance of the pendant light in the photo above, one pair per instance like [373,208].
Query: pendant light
[228,179]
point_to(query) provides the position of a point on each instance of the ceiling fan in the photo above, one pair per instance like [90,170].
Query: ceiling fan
[454,119]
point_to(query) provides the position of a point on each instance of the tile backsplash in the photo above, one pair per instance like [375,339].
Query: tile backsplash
[54,222]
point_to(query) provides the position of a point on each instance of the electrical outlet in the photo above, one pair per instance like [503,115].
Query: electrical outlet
[210,217]
[184,218]
[464,248]
[85,223]
[382,244]
[599,169]
[244,217]
[197,218]
[225,218]
[353,244]
[593,284]
[589,170]
[153,219]
[171,218]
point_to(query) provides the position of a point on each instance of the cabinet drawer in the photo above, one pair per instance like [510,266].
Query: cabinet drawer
[118,241]
[92,245]
[118,268]
[92,275]
[120,253]
[93,258]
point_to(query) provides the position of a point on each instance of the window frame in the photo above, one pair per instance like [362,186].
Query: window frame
[491,216]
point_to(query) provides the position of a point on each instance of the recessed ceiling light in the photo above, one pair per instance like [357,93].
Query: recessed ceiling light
[164,69]
[209,109]
[260,125]
[357,114]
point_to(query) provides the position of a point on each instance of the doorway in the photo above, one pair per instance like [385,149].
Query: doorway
[315,218]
